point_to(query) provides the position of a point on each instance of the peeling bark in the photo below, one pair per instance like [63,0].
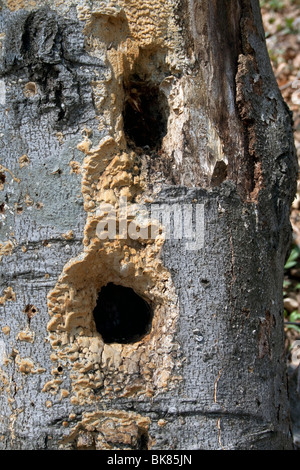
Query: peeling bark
[161,103]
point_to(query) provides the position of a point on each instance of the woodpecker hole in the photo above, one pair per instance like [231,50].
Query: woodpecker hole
[145,114]
[121,316]
[30,311]
[143,441]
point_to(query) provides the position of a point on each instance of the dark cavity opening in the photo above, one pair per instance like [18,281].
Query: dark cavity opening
[143,441]
[145,114]
[121,316]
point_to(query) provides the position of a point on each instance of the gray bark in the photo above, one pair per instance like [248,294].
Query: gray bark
[211,373]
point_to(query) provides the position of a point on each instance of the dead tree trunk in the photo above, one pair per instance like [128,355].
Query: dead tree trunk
[134,341]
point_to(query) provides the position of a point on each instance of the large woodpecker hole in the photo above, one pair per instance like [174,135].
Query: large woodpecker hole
[121,316]
[145,114]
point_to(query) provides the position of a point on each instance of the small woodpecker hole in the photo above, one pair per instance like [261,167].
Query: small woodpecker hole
[145,114]
[121,316]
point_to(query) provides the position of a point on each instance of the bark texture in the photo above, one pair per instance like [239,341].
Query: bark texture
[160,102]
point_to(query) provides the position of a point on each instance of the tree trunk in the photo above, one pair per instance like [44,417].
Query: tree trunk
[149,106]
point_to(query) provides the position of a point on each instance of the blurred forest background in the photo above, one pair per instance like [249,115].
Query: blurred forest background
[281,20]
